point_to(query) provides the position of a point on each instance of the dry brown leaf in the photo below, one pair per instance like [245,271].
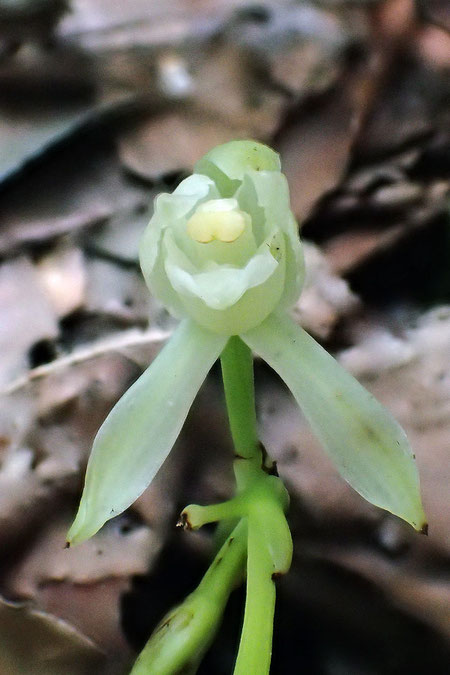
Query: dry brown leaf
[102,25]
[95,610]
[77,188]
[418,393]
[227,87]
[37,643]
[27,316]
[51,383]
[171,142]
[349,250]
[120,549]
[298,46]
[84,585]
[315,147]
[408,587]
[434,46]
[301,70]
[325,297]
[119,237]
[117,292]
[49,419]
[62,274]
[409,107]
[435,12]
[378,209]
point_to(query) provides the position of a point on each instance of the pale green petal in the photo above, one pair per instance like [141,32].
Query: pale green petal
[195,186]
[141,429]
[248,201]
[295,269]
[367,445]
[226,164]
[161,287]
[220,286]
[172,210]
[271,194]
[252,308]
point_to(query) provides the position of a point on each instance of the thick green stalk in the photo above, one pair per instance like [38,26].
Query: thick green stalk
[182,637]
[255,648]
[237,373]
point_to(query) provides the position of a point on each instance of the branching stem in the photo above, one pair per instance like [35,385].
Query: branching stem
[255,648]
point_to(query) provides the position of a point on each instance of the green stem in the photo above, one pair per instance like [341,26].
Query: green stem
[237,373]
[255,648]
[180,640]
[226,568]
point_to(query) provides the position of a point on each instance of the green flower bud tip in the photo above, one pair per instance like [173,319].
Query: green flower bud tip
[222,253]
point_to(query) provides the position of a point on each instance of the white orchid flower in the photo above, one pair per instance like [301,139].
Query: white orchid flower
[223,254]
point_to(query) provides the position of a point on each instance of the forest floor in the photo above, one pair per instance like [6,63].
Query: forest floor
[102,106]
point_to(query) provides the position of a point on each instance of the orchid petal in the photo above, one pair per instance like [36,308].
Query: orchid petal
[272,196]
[367,445]
[227,164]
[172,210]
[141,429]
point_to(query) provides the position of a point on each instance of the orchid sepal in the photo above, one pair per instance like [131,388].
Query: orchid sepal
[366,444]
[141,429]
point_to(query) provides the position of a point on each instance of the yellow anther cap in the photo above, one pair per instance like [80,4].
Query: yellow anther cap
[217,219]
